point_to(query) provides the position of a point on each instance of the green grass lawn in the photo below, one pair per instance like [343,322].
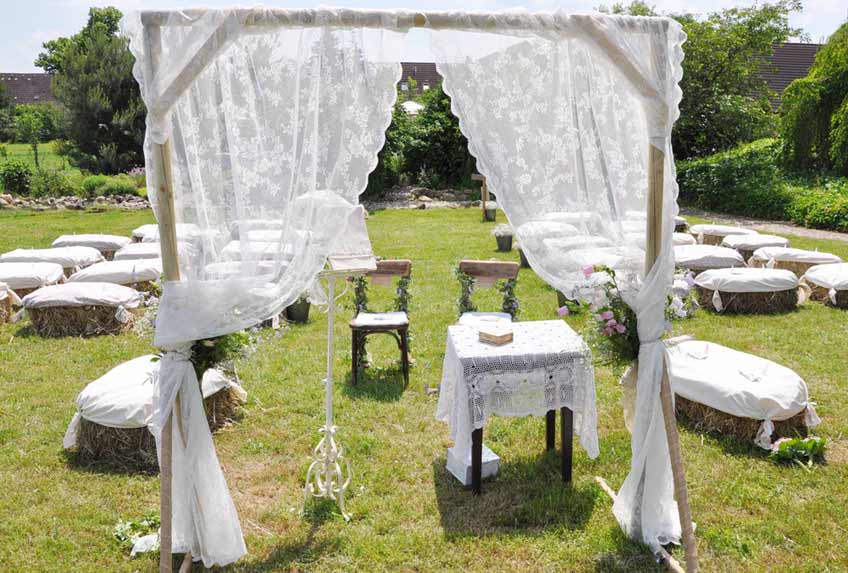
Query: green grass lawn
[409,514]
[46,157]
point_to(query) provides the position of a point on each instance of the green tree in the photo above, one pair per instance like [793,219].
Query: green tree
[93,81]
[7,117]
[29,127]
[815,110]
[725,100]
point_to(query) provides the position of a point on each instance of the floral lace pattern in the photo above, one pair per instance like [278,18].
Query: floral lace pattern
[546,367]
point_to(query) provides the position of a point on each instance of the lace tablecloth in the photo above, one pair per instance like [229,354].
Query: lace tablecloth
[547,366]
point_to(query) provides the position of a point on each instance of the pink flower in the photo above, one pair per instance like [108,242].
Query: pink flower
[620,328]
[563,311]
[607,332]
[607,314]
[588,271]
[611,323]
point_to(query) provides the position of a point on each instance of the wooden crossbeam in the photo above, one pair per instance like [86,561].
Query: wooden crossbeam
[489,269]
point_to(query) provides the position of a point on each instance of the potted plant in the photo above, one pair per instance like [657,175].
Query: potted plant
[298,311]
[490,212]
[503,235]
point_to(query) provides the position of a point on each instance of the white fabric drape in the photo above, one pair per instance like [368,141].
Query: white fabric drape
[271,144]
[560,121]
[276,117]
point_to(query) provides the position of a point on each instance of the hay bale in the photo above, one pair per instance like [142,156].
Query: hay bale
[705,419]
[750,302]
[92,320]
[820,294]
[134,449]
[127,449]
[5,309]
[797,267]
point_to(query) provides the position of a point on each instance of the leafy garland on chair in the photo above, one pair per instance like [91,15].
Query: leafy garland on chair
[506,288]
[360,303]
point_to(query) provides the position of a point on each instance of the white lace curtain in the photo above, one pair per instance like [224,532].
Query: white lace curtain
[275,119]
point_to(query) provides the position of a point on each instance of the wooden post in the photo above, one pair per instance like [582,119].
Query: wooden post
[171,270]
[656,174]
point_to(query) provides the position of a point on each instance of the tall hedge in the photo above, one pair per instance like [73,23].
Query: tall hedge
[815,110]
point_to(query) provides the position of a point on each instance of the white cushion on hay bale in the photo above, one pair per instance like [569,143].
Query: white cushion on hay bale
[238,250]
[135,251]
[830,279]
[699,258]
[104,308]
[739,384]
[71,258]
[710,234]
[106,244]
[23,278]
[576,242]
[747,244]
[139,233]
[228,269]
[123,397]
[680,223]
[186,232]
[121,272]
[583,220]
[237,227]
[619,258]
[791,259]
[727,288]
[534,233]
[681,239]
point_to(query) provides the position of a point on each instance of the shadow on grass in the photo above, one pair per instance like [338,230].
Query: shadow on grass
[78,463]
[297,553]
[628,557]
[527,497]
[382,384]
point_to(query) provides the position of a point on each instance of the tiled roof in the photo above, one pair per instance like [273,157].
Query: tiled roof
[422,72]
[789,62]
[27,88]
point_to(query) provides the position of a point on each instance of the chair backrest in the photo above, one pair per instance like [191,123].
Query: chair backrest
[491,270]
[390,269]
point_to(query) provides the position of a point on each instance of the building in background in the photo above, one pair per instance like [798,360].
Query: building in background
[789,62]
[27,88]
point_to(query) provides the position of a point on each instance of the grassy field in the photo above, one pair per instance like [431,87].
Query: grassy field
[46,158]
[409,514]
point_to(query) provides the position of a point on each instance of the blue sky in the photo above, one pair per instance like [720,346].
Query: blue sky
[29,23]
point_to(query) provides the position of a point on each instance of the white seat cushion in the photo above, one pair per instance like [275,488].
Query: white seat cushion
[83,294]
[719,230]
[832,276]
[737,383]
[683,239]
[753,242]
[99,242]
[706,257]
[386,319]
[68,257]
[478,319]
[747,280]
[789,254]
[30,275]
[122,272]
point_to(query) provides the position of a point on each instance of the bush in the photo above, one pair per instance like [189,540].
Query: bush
[52,183]
[16,176]
[744,181]
[825,208]
[119,185]
[91,185]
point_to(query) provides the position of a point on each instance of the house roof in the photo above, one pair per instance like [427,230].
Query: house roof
[27,88]
[424,73]
[789,62]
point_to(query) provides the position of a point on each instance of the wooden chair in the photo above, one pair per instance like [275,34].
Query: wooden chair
[486,274]
[395,323]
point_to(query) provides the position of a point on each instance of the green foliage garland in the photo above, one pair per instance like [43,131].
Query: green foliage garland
[360,303]
[510,302]
[466,283]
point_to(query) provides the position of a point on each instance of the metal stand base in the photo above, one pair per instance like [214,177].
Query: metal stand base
[329,475]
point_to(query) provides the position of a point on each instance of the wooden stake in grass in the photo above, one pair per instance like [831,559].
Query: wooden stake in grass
[656,172]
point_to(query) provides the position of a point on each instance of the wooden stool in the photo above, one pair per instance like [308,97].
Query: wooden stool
[395,323]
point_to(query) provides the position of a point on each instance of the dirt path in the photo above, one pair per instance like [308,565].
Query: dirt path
[779,227]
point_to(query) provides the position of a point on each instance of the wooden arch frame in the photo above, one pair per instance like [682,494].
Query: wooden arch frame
[153,21]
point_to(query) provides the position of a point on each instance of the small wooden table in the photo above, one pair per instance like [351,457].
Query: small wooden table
[547,367]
